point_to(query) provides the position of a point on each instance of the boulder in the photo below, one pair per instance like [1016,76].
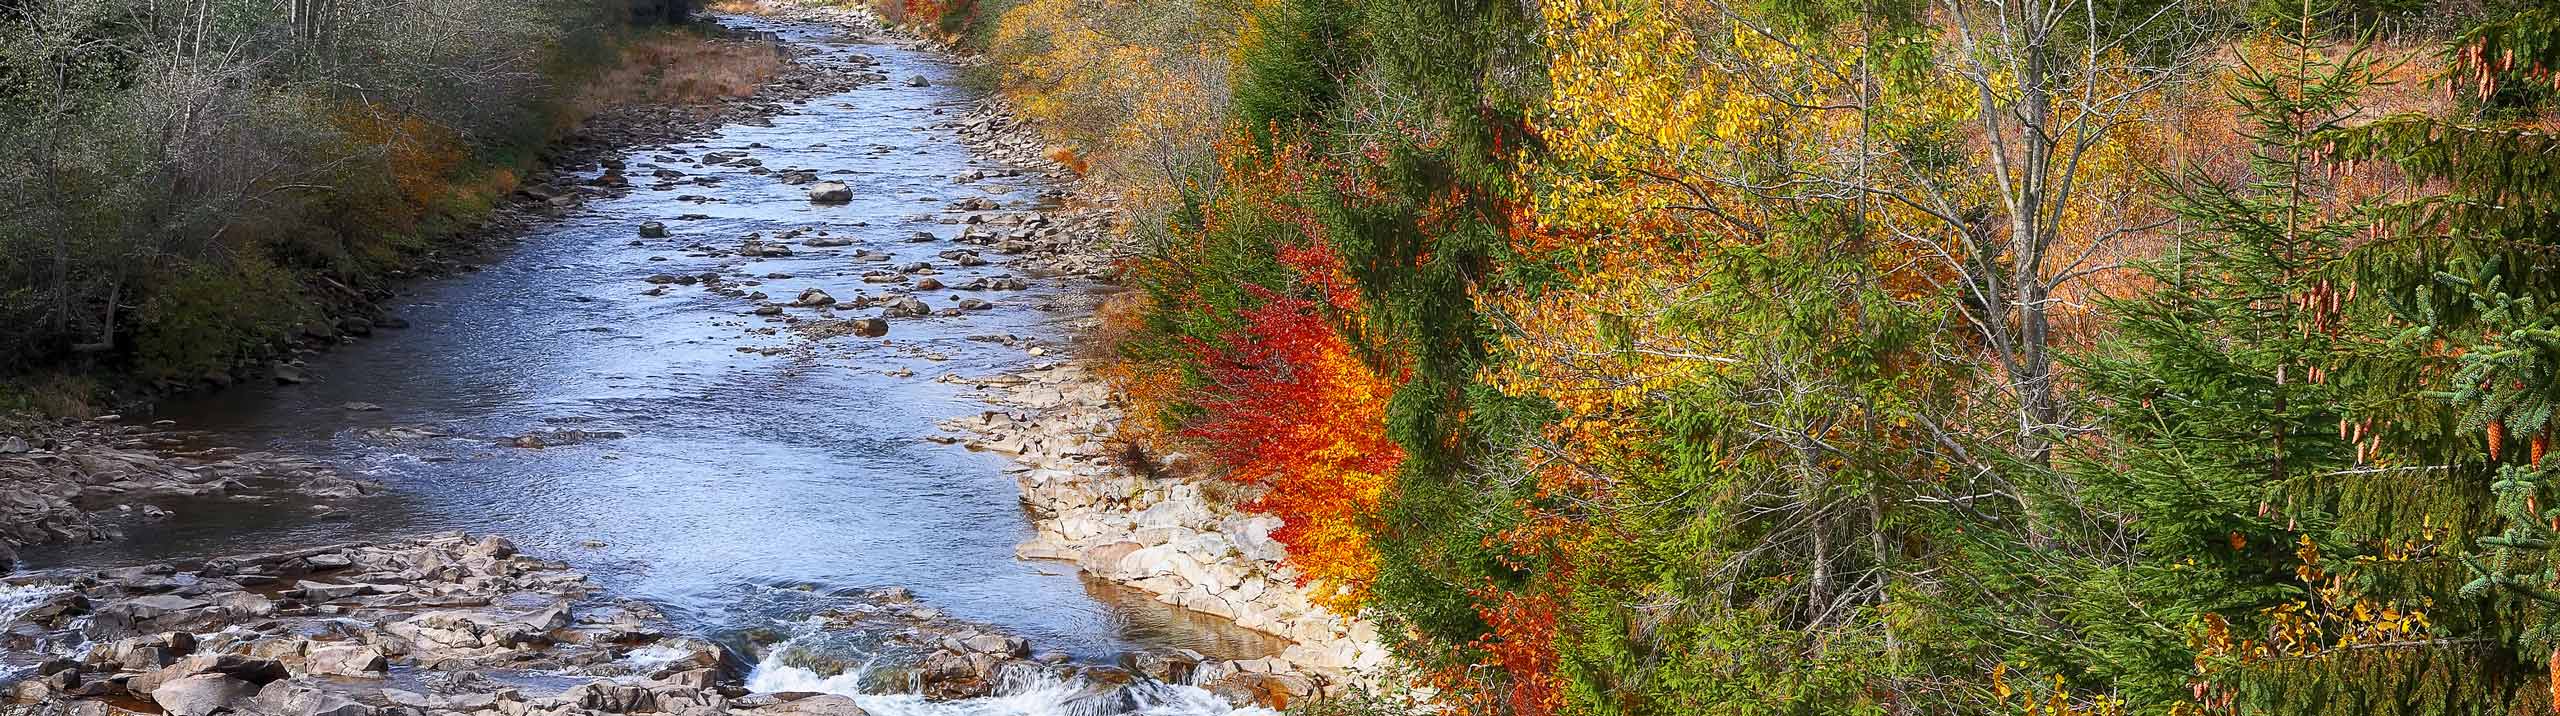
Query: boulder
[811,298]
[653,230]
[202,694]
[293,698]
[830,192]
[905,307]
[349,660]
[1251,535]
[253,671]
[611,697]
[870,327]
[811,705]
[493,546]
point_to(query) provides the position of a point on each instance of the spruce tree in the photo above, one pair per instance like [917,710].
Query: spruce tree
[2469,265]
[2221,424]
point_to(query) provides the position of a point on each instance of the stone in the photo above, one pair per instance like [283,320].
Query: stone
[360,407]
[830,192]
[202,694]
[288,373]
[653,230]
[870,327]
[492,547]
[549,620]
[611,697]
[905,307]
[999,644]
[813,705]
[918,81]
[350,660]
[697,679]
[326,592]
[811,298]
[293,698]
[1251,534]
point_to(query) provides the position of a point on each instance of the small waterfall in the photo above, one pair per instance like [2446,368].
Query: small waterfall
[15,601]
[14,604]
[1022,692]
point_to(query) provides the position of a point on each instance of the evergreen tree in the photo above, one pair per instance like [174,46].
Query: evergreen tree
[2223,428]
[2470,269]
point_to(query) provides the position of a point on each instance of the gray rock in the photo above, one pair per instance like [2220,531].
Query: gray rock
[918,81]
[905,307]
[202,694]
[653,230]
[811,298]
[549,620]
[348,660]
[611,697]
[496,547]
[294,698]
[326,592]
[1252,536]
[830,192]
[812,705]
[1000,644]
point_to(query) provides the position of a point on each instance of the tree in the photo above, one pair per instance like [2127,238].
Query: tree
[2226,436]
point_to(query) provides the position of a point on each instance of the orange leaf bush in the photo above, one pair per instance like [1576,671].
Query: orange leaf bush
[1296,412]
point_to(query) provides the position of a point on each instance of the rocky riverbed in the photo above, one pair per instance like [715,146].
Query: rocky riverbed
[89,481]
[456,624]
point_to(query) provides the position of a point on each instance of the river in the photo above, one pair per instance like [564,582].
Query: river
[745,487]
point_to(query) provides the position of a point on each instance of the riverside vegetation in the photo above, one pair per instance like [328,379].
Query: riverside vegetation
[193,186]
[1893,356]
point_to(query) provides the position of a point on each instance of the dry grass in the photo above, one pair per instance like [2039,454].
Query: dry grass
[684,69]
[2198,130]
[47,395]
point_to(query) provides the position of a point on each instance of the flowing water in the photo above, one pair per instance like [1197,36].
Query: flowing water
[744,488]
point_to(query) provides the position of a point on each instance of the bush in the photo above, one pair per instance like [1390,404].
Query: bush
[167,190]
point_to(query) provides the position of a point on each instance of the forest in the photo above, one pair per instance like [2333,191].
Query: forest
[1852,356]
